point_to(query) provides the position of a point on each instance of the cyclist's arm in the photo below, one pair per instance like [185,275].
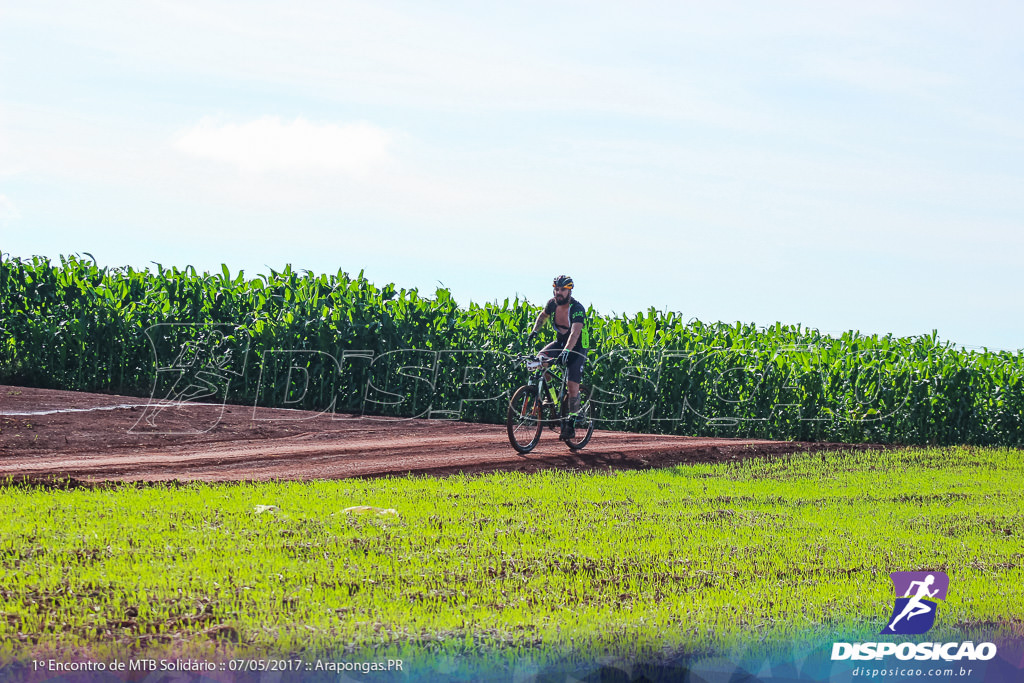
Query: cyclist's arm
[541,319]
[574,335]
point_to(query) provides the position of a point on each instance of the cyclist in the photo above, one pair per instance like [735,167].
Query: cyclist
[569,318]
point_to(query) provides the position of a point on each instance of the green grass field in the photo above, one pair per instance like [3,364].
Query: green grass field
[691,559]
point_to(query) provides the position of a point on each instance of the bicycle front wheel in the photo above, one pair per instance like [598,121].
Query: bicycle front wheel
[525,419]
[583,423]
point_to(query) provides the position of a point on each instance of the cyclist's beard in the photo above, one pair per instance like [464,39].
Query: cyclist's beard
[559,299]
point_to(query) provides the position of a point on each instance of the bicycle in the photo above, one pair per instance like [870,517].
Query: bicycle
[536,404]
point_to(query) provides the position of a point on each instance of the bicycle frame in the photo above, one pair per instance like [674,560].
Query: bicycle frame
[543,401]
[548,369]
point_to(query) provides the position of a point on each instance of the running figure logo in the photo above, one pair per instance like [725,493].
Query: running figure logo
[204,368]
[915,609]
[195,366]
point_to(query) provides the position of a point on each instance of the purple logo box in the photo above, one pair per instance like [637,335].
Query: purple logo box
[938,582]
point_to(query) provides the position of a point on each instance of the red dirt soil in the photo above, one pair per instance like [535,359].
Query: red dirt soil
[110,441]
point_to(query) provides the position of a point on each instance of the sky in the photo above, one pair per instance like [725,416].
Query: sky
[839,165]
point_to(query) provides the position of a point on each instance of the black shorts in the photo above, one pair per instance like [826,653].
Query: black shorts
[574,367]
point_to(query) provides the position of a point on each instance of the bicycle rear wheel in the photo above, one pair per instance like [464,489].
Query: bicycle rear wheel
[583,422]
[525,419]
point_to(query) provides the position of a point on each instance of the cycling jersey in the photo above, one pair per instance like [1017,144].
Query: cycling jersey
[577,314]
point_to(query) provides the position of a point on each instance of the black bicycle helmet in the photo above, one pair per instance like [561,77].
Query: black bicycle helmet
[562,281]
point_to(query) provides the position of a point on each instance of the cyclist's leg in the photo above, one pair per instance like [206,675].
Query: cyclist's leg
[551,350]
[548,352]
[575,377]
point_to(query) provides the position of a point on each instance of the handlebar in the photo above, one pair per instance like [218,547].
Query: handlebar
[542,361]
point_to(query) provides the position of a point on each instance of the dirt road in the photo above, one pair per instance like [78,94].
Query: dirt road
[90,438]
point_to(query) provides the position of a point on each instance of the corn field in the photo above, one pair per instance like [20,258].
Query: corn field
[334,342]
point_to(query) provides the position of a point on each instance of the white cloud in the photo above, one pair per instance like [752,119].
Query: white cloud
[268,144]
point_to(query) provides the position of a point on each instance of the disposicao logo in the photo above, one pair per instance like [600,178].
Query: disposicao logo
[915,609]
[913,614]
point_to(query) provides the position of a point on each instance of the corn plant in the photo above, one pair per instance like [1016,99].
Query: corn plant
[385,350]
